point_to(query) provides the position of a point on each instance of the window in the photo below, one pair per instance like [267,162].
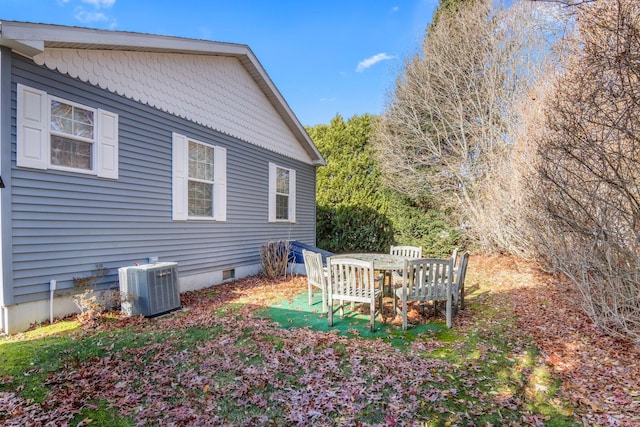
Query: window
[54,133]
[201,167]
[282,194]
[199,180]
[72,135]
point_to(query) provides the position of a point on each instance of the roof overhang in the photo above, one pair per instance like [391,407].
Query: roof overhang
[30,39]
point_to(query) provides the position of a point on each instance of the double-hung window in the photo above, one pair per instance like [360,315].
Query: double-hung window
[54,133]
[199,180]
[282,194]
[72,135]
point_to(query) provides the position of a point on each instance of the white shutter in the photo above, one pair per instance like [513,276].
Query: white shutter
[32,122]
[180,181]
[107,145]
[292,195]
[220,184]
[273,175]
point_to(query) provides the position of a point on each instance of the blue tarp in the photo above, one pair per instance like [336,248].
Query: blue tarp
[295,251]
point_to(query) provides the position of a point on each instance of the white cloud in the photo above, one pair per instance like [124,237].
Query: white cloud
[99,4]
[87,17]
[363,65]
[395,9]
[95,13]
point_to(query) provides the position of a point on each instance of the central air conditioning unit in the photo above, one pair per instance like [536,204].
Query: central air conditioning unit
[150,289]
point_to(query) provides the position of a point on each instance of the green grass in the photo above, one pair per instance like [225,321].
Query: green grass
[511,371]
[490,375]
[101,414]
[26,359]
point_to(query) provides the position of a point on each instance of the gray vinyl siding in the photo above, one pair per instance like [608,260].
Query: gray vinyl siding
[63,224]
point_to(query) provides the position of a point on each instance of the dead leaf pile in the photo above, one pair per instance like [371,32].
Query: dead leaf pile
[600,374]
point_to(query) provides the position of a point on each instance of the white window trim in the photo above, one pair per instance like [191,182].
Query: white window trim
[34,135]
[180,181]
[273,175]
[93,141]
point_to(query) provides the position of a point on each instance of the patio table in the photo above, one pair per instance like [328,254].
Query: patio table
[386,263]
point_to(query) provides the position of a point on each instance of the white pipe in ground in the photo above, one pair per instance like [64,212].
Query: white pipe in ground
[52,289]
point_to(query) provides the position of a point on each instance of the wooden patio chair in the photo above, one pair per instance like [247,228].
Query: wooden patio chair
[406,251]
[426,279]
[316,276]
[459,274]
[353,281]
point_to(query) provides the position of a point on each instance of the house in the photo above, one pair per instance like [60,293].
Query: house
[122,148]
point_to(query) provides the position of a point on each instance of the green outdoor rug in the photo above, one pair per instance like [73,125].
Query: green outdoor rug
[296,313]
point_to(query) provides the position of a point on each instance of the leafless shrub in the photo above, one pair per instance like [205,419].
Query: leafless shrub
[91,302]
[274,257]
[507,220]
[589,166]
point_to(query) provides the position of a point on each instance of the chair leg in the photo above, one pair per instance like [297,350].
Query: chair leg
[395,303]
[462,297]
[404,314]
[310,294]
[324,300]
[448,313]
[455,303]
[330,312]
[388,277]
[372,312]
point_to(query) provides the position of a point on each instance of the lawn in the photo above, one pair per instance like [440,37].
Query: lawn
[252,352]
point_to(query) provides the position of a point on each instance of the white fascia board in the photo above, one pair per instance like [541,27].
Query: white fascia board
[42,33]
[28,46]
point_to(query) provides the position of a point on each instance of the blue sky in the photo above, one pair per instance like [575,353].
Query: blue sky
[326,57]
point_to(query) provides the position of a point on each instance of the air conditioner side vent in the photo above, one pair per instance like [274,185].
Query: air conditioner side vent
[150,289]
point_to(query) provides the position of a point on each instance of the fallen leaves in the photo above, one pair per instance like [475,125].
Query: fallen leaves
[600,374]
[215,363]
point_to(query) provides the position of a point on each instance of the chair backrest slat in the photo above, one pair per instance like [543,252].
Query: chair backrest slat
[407,251]
[462,270]
[454,256]
[428,279]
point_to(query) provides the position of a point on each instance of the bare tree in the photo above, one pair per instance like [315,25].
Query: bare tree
[448,129]
[589,166]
